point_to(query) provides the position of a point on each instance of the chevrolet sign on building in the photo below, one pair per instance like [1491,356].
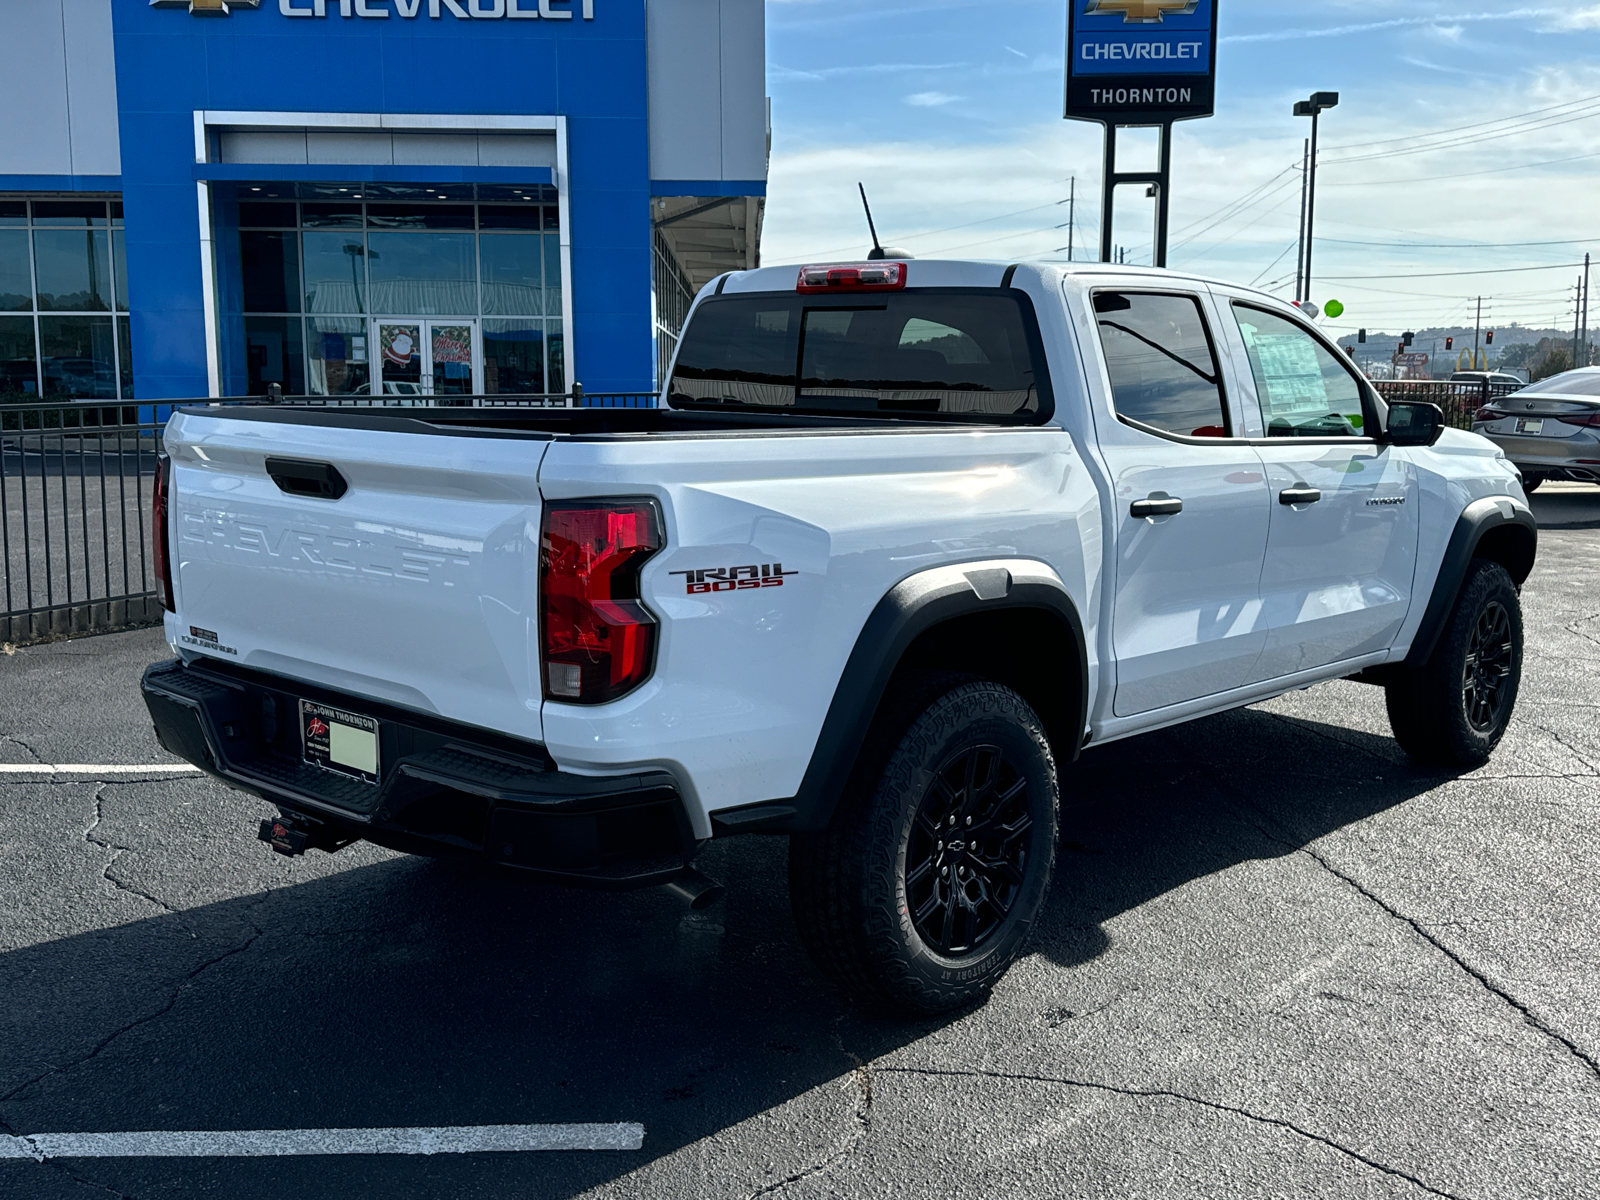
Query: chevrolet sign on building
[412,198]
[1136,62]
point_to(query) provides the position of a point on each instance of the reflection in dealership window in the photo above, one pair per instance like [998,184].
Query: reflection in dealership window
[65,335]
[393,251]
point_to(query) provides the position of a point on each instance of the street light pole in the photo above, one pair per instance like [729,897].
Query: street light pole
[1313,108]
[1300,250]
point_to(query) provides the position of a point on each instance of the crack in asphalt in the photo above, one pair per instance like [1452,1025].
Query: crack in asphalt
[130,1026]
[1568,746]
[1181,1097]
[861,1125]
[1483,980]
[37,757]
[117,851]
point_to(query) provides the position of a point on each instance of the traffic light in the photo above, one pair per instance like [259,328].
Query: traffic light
[1449,343]
[1489,338]
[1407,337]
[1361,336]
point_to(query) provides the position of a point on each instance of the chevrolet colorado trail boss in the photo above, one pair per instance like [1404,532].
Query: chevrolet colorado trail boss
[901,540]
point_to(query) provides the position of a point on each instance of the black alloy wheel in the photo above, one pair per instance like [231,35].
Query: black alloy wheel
[1490,656]
[968,851]
[1452,710]
[925,885]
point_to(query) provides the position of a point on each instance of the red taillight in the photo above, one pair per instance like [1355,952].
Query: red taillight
[599,640]
[159,558]
[853,277]
[1488,413]
[1592,420]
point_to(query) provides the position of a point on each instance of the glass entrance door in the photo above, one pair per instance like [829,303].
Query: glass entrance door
[425,356]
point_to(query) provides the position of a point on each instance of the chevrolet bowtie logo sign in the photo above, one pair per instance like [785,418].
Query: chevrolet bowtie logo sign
[207,8]
[1140,12]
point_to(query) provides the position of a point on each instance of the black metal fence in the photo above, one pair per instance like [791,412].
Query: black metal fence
[1458,398]
[75,490]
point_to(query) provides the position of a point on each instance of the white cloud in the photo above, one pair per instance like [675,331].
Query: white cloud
[1583,18]
[931,99]
[817,75]
[1292,35]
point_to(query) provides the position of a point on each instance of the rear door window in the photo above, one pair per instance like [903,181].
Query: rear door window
[938,353]
[1160,359]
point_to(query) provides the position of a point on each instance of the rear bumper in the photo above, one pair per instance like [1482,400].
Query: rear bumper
[445,790]
[1576,457]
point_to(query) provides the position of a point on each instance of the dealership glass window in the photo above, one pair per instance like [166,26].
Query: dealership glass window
[63,284]
[368,251]
[337,350]
[19,362]
[274,354]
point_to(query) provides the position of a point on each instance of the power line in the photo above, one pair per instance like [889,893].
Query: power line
[1458,128]
[1442,274]
[1476,139]
[1550,162]
[1459,245]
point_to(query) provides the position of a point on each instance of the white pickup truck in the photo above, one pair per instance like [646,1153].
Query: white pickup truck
[901,540]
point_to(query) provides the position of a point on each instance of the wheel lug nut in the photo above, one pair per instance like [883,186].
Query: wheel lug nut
[944,872]
[969,820]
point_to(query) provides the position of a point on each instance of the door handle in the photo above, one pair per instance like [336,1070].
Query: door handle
[1300,493]
[1159,504]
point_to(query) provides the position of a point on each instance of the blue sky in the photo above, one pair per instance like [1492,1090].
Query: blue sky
[949,112]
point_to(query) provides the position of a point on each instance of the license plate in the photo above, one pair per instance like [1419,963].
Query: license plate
[1530,425]
[339,741]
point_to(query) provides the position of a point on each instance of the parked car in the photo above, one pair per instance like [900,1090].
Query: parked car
[902,540]
[1549,429]
[1496,379]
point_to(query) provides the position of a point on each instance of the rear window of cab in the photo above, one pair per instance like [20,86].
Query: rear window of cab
[935,354]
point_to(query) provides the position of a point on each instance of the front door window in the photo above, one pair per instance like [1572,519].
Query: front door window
[425,358]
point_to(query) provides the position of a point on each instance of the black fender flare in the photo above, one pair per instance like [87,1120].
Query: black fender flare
[911,608]
[1477,521]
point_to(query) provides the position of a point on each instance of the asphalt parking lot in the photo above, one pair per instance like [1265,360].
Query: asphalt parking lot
[1278,960]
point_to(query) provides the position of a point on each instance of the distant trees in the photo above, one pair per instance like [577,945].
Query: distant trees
[1556,360]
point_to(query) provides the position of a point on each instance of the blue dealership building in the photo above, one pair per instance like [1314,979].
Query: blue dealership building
[351,197]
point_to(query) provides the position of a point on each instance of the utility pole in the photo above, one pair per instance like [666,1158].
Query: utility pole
[1300,250]
[1577,311]
[1586,316]
[1477,328]
[1072,214]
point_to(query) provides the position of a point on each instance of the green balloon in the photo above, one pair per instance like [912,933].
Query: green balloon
[1333,309]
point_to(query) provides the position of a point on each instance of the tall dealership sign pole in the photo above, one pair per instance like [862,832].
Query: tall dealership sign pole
[1140,63]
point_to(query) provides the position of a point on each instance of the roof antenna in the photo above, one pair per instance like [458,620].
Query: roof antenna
[877,252]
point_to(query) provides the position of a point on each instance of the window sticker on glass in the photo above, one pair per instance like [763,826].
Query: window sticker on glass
[1303,390]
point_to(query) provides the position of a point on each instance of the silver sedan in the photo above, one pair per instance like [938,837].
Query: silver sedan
[1549,429]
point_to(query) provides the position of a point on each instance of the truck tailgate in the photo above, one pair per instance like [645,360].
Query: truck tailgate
[418,585]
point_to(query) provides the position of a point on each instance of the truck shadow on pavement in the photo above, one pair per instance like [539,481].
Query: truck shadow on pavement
[416,993]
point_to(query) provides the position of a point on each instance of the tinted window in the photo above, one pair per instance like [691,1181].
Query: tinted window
[907,352]
[1158,354]
[1304,390]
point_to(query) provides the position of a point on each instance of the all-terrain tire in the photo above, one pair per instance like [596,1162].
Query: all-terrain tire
[1452,711]
[924,887]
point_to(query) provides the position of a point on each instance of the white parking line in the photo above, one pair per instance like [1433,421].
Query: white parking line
[270,1143]
[98,769]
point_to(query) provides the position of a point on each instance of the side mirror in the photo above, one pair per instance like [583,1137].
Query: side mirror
[1412,423]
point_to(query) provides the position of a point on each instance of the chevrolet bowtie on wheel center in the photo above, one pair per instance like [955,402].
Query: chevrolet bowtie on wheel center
[901,540]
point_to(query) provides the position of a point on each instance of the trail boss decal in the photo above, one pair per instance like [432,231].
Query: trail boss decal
[732,579]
